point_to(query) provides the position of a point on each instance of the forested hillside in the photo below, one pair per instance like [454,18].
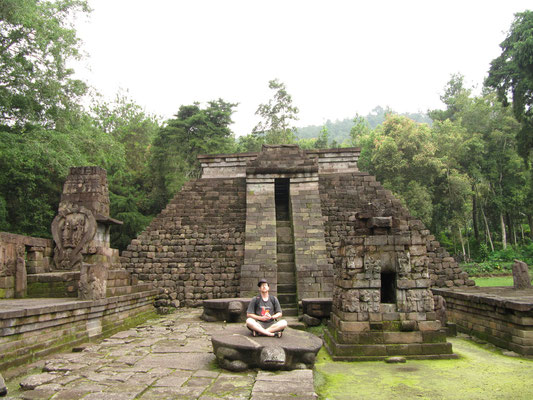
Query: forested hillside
[339,130]
[465,169]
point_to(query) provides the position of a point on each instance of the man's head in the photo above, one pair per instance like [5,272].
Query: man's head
[263,285]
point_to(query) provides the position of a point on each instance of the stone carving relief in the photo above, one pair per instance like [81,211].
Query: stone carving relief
[372,268]
[352,263]
[418,300]
[404,264]
[359,300]
[72,229]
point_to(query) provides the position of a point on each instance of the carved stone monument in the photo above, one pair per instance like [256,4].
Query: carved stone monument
[81,230]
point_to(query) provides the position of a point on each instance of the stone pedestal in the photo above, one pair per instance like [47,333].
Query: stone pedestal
[93,282]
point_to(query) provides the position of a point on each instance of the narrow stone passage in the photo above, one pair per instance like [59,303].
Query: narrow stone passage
[167,358]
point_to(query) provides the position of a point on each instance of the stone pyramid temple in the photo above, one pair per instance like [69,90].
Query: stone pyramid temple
[315,227]
[291,216]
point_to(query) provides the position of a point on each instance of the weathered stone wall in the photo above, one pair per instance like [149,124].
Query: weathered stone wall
[234,165]
[195,247]
[260,246]
[37,253]
[31,331]
[360,212]
[502,316]
[314,274]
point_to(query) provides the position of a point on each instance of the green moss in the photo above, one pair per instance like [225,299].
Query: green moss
[50,289]
[2,293]
[477,374]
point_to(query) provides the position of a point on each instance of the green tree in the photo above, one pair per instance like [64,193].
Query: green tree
[455,97]
[511,74]
[36,41]
[276,116]
[322,141]
[193,131]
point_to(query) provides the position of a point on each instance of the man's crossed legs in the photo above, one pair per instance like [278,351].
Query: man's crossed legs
[273,328]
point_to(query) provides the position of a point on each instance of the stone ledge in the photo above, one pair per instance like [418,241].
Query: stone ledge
[505,297]
[39,329]
[33,307]
[237,350]
[382,351]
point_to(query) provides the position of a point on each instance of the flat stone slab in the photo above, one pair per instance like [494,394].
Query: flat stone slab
[237,350]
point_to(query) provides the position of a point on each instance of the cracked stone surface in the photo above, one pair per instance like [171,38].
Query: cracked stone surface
[166,358]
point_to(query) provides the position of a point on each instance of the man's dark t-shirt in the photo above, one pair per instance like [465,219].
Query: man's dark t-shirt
[260,307]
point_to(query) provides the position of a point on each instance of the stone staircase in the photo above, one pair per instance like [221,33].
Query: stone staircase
[285,254]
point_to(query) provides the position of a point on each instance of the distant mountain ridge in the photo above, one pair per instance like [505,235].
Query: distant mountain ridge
[339,130]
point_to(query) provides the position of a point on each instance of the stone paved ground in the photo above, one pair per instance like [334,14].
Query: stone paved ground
[167,358]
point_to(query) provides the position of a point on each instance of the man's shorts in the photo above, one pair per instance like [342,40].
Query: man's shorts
[267,324]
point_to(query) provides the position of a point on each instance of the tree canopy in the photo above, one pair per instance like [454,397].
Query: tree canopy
[36,41]
[277,116]
[511,74]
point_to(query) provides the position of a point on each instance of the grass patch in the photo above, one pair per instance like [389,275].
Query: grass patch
[477,374]
[487,281]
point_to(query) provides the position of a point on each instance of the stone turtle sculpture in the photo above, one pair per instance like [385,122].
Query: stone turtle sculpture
[237,350]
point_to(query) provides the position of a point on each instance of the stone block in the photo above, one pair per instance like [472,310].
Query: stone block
[403,337]
[93,281]
[425,326]
[417,250]
[347,326]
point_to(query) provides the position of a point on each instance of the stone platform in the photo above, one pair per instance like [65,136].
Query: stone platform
[33,328]
[165,358]
[237,350]
[500,315]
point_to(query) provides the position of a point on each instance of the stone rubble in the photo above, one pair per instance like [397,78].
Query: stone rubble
[167,358]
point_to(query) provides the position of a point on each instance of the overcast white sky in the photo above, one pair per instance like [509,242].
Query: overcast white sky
[337,58]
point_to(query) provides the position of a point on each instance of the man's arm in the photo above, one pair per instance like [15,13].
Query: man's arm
[277,309]
[257,317]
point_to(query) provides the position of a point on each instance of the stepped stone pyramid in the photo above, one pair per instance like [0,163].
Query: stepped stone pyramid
[294,217]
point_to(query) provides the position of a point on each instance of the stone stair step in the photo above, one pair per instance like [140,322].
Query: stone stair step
[286,288]
[284,240]
[287,248]
[286,278]
[293,321]
[286,298]
[283,224]
[285,257]
[289,312]
[286,267]
[284,231]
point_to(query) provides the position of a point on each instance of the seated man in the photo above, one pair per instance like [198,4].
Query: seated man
[262,313]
